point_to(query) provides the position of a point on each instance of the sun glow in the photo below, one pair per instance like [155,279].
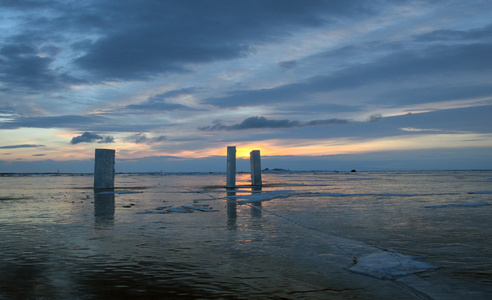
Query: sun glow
[244,151]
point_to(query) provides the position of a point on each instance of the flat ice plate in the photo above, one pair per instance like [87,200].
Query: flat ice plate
[389,265]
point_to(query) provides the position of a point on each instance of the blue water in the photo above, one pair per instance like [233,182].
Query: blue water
[305,235]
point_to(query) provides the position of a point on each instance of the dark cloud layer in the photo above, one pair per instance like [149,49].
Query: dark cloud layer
[264,123]
[140,39]
[392,69]
[165,36]
[89,137]
[21,146]
[24,66]
[69,121]
[456,35]
[159,102]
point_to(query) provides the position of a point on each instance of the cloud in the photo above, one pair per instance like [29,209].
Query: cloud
[264,123]
[24,66]
[326,122]
[145,40]
[159,102]
[435,92]
[299,63]
[412,129]
[21,146]
[66,121]
[287,64]
[375,118]
[394,68]
[158,106]
[88,137]
[38,154]
[141,138]
[456,35]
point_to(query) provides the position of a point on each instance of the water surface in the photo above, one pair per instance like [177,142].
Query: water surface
[184,235]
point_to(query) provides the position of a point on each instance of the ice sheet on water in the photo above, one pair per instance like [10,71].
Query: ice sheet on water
[348,195]
[265,196]
[181,209]
[15,198]
[202,191]
[116,192]
[458,205]
[329,194]
[262,196]
[178,209]
[380,194]
[198,208]
[161,207]
[389,265]
[481,192]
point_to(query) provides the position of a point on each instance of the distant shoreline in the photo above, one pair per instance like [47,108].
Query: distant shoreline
[267,171]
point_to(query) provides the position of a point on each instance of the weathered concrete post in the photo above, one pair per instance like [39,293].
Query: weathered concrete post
[104,169]
[231,167]
[255,162]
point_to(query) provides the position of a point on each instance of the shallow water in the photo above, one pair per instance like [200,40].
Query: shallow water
[294,239]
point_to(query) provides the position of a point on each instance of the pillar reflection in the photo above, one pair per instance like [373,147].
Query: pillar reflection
[104,207]
[256,206]
[231,210]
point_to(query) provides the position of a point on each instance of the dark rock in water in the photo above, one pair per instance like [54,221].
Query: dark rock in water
[353,171]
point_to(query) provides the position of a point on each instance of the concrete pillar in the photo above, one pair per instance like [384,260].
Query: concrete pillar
[255,162]
[104,169]
[231,167]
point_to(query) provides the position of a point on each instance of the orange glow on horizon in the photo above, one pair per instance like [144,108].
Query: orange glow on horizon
[302,147]
[244,151]
[274,147]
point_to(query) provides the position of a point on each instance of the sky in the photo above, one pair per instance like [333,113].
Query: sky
[313,85]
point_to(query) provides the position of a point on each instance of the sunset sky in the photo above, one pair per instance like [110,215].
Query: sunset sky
[313,85]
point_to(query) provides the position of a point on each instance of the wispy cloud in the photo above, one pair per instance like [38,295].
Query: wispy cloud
[412,129]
